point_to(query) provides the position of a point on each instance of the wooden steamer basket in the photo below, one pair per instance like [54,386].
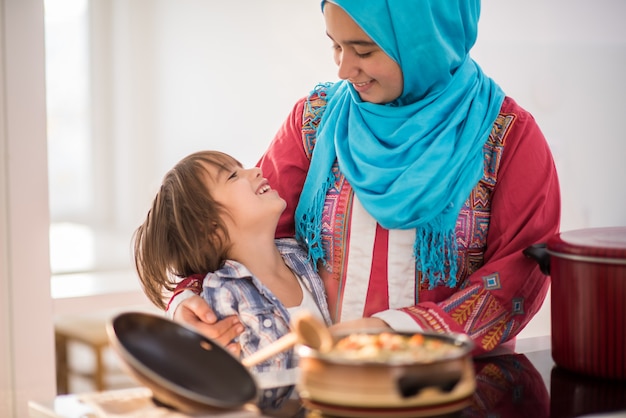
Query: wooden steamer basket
[346,387]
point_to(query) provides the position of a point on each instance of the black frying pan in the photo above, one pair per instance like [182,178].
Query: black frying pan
[184,369]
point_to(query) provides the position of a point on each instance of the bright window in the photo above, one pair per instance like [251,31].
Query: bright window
[83,234]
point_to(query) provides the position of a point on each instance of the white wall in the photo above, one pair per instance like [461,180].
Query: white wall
[26,334]
[215,75]
[226,76]
[565,61]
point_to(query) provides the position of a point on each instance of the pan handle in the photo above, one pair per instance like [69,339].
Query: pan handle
[411,384]
[539,253]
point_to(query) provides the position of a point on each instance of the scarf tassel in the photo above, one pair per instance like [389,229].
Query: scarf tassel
[435,253]
[309,225]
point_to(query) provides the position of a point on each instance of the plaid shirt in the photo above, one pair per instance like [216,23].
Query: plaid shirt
[264,317]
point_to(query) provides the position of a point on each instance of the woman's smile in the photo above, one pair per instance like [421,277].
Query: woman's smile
[363,86]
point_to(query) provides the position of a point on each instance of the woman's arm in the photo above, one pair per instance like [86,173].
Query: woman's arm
[501,297]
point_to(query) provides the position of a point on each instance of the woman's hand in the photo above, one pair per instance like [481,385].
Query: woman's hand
[361,324]
[196,313]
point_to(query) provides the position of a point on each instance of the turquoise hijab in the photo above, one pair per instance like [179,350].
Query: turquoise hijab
[412,163]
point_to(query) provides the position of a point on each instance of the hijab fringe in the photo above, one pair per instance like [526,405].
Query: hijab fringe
[309,225]
[435,253]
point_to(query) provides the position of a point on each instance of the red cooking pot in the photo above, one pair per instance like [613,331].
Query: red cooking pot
[588,271]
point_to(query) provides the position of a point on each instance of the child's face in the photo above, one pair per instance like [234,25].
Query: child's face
[246,196]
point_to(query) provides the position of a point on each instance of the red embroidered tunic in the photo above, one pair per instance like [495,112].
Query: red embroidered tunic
[372,270]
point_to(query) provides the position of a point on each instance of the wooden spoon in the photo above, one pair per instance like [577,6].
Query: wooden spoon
[306,330]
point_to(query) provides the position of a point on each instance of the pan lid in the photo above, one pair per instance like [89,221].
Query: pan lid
[601,243]
[178,361]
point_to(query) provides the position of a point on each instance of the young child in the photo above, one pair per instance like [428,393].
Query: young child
[212,217]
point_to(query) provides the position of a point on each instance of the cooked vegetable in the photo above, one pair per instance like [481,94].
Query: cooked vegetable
[387,346]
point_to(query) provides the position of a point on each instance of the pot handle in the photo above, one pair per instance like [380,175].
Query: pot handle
[539,253]
[411,385]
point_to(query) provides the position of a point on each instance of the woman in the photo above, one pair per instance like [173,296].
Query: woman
[415,182]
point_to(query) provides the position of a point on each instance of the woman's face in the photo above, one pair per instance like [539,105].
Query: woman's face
[246,196]
[375,76]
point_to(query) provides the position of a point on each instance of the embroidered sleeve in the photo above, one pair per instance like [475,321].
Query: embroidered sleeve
[499,298]
[314,107]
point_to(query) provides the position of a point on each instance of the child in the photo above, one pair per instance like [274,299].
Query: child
[212,217]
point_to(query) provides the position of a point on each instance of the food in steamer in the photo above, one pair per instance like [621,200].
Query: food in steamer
[389,347]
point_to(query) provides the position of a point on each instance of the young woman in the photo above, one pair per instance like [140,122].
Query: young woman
[415,181]
[215,221]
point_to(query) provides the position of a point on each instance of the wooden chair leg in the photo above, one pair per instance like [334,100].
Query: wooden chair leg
[61,365]
[98,374]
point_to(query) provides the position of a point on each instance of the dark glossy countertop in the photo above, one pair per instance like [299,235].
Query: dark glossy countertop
[519,381]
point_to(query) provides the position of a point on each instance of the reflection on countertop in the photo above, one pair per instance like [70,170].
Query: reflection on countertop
[525,382]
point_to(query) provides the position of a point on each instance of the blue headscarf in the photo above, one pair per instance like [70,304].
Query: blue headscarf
[413,162]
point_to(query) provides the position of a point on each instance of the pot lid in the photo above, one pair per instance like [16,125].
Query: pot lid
[609,242]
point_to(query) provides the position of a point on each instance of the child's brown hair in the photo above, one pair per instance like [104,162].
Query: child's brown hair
[183,233]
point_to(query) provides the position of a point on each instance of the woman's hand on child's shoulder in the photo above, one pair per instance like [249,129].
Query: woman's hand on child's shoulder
[196,312]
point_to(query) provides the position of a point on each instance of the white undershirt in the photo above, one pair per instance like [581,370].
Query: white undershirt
[308,304]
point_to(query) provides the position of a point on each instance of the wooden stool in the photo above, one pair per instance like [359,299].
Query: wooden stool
[89,331]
